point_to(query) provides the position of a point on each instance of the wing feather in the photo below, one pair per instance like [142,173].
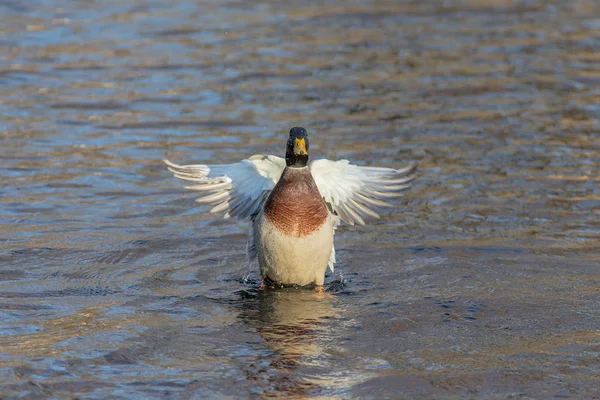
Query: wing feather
[209,186]
[220,207]
[238,189]
[371,201]
[214,198]
[363,209]
[352,191]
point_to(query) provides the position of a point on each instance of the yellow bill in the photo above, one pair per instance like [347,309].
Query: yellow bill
[300,147]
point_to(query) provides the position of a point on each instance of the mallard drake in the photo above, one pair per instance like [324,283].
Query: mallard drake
[294,207]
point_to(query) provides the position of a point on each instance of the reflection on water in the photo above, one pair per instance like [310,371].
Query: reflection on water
[296,327]
[482,282]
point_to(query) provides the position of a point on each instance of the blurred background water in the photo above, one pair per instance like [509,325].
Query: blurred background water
[483,282]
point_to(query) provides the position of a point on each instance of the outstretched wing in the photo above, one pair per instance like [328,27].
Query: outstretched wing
[351,191]
[237,189]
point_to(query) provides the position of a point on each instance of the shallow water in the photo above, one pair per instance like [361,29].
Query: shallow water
[483,282]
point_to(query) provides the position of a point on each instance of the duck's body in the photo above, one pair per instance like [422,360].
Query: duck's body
[294,206]
[294,239]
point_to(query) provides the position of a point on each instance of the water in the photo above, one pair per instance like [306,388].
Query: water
[483,282]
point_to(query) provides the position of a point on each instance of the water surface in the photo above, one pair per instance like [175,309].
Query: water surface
[482,282]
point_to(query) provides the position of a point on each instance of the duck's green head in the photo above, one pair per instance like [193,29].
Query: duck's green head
[296,153]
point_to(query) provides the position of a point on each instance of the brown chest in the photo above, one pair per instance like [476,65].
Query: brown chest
[295,205]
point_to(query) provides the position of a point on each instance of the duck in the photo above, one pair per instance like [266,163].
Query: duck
[294,207]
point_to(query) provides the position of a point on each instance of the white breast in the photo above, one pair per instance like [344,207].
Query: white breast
[293,260]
